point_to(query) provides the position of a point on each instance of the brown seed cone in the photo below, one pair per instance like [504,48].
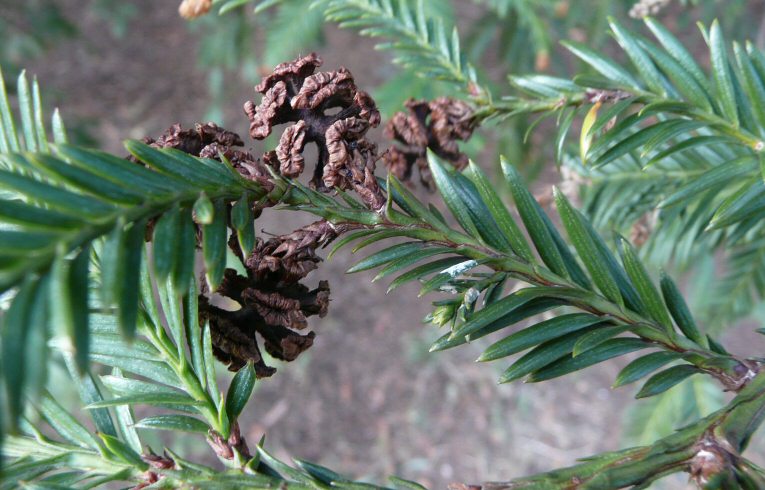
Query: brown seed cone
[294,93]
[436,125]
[208,140]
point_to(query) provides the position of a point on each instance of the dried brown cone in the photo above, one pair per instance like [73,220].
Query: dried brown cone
[273,302]
[436,125]
[293,93]
[208,140]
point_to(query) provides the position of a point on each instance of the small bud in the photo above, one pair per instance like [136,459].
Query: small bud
[191,9]
[204,211]
[443,314]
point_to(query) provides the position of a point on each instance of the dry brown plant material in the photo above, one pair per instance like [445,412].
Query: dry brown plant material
[328,110]
[191,9]
[436,125]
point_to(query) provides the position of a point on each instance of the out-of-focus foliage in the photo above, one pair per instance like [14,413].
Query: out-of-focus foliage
[28,28]
[655,130]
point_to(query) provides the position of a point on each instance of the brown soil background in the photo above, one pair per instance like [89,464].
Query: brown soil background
[367,400]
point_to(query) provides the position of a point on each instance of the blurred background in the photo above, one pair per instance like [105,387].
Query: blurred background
[368,399]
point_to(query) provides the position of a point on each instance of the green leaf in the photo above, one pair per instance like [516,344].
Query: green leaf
[64,423]
[173,166]
[181,423]
[120,386]
[746,202]
[284,470]
[537,334]
[424,270]
[243,221]
[670,130]
[157,371]
[649,295]
[91,393]
[167,233]
[28,216]
[194,331]
[35,342]
[680,312]
[602,352]
[348,238]
[596,337]
[69,301]
[722,74]
[120,170]
[587,248]
[400,483]
[533,307]
[239,392]
[753,84]
[716,177]
[25,108]
[645,136]
[186,252]
[86,181]
[499,309]
[643,366]
[682,80]
[452,195]
[639,58]
[403,262]
[542,355]
[214,246]
[500,212]
[687,144]
[531,214]
[63,201]
[676,49]
[130,291]
[171,306]
[605,66]
[9,141]
[661,382]
[123,452]
[387,255]
[59,131]
[112,265]
[14,333]
[146,399]
[414,207]
[114,345]
[563,129]
[124,414]
[212,385]
[324,475]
